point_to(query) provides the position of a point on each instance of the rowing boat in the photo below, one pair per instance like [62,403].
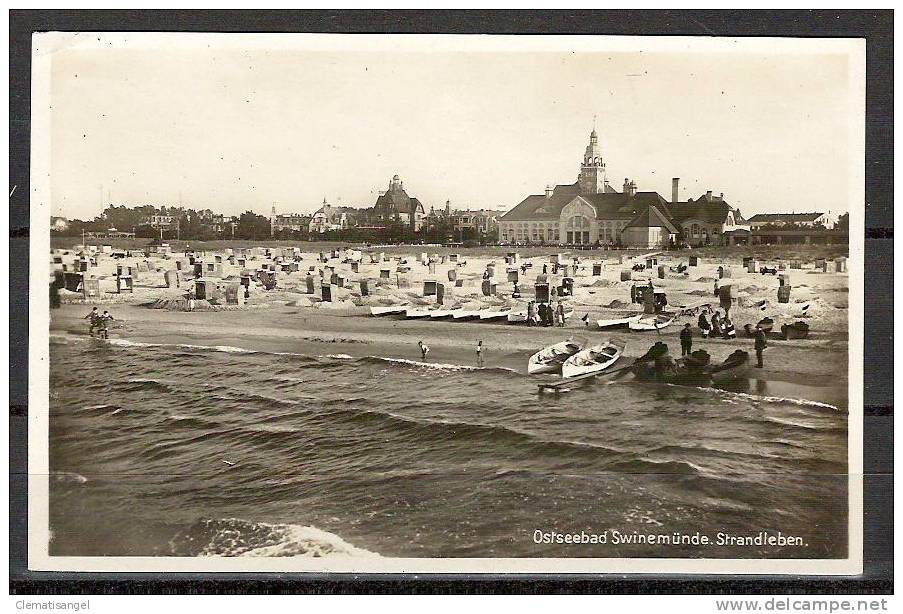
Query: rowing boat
[617,322]
[651,322]
[550,359]
[489,314]
[413,313]
[594,359]
[465,314]
[385,311]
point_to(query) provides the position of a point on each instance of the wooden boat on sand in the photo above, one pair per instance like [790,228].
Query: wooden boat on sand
[651,322]
[386,311]
[593,359]
[622,322]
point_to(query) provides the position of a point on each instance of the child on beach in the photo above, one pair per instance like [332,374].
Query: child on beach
[480,353]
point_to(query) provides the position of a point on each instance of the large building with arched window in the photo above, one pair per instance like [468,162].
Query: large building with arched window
[592,212]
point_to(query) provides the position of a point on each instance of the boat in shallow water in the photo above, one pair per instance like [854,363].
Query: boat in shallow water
[593,359]
[550,359]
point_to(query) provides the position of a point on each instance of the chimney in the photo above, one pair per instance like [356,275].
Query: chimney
[630,188]
[674,183]
[548,191]
[708,195]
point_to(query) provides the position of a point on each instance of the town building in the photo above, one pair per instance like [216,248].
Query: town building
[592,212]
[159,221]
[474,222]
[394,205]
[110,233]
[799,220]
[287,222]
[328,218]
[708,220]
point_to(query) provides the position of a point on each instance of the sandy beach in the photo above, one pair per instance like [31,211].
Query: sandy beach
[289,319]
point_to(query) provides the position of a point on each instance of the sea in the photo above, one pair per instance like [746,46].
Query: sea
[183,450]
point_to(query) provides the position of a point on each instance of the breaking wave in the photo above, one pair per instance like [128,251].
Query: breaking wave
[439,366]
[230,537]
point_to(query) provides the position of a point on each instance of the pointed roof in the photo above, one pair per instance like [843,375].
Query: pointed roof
[712,212]
[651,217]
[609,206]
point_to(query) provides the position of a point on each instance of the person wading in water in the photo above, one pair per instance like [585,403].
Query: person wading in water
[94,318]
[103,325]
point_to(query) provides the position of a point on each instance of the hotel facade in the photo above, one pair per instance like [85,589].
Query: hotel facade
[592,212]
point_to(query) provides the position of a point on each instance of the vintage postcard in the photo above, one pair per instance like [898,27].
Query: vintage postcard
[446,303]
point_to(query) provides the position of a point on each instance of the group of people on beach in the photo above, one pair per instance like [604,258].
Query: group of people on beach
[544,314]
[100,322]
[718,326]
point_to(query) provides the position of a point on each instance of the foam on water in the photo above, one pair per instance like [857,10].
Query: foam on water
[229,537]
[770,399]
[438,365]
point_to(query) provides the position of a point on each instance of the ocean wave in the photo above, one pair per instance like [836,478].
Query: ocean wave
[230,537]
[776,400]
[68,477]
[228,349]
[649,466]
[138,384]
[799,424]
[439,366]
[451,433]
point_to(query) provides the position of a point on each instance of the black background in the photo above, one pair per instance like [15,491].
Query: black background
[876,27]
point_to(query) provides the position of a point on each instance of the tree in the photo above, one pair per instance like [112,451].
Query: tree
[252,226]
[843,222]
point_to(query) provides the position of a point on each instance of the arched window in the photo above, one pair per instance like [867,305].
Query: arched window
[578,221]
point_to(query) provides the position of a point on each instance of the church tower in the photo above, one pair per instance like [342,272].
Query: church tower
[592,172]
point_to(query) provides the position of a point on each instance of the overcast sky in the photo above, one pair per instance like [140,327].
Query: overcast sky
[233,129]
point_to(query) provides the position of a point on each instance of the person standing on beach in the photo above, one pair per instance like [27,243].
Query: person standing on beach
[531,313]
[704,325]
[760,345]
[560,313]
[480,353]
[424,350]
[686,340]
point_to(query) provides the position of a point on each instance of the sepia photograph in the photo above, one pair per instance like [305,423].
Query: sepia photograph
[445,303]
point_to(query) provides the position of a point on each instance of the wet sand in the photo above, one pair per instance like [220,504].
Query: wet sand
[798,363]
